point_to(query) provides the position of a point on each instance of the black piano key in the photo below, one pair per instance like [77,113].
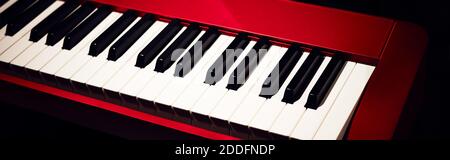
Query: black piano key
[23,19]
[168,57]
[14,10]
[109,35]
[224,62]
[57,16]
[302,78]
[129,38]
[323,86]
[60,30]
[250,62]
[194,55]
[149,53]
[83,29]
[281,72]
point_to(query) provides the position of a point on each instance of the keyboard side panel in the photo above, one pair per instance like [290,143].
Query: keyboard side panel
[388,89]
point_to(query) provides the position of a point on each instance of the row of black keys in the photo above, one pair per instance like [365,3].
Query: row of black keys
[73,22]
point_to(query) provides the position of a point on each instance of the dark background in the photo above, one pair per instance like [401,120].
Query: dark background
[428,102]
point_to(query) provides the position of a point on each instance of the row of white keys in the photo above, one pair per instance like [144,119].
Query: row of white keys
[32,51]
[159,81]
[45,56]
[254,106]
[3,8]
[178,84]
[312,118]
[93,64]
[274,107]
[214,93]
[226,107]
[16,49]
[194,91]
[293,113]
[8,41]
[336,121]
[113,71]
[65,55]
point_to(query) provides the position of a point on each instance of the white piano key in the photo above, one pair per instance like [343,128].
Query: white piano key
[291,114]
[141,78]
[74,64]
[105,73]
[111,68]
[95,63]
[65,55]
[251,105]
[214,94]
[211,55]
[32,51]
[134,86]
[334,125]
[311,119]
[158,82]
[232,99]
[2,33]
[208,101]
[154,87]
[44,57]
[16,49]
[120,79]
[247,110]
[195,90]
[178,84]
[90,68]
[7,41]
[7,5]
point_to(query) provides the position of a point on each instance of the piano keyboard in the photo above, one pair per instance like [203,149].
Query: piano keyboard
[238,84]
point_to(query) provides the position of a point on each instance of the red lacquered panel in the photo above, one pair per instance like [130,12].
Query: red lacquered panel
[358,34]
[388,89]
